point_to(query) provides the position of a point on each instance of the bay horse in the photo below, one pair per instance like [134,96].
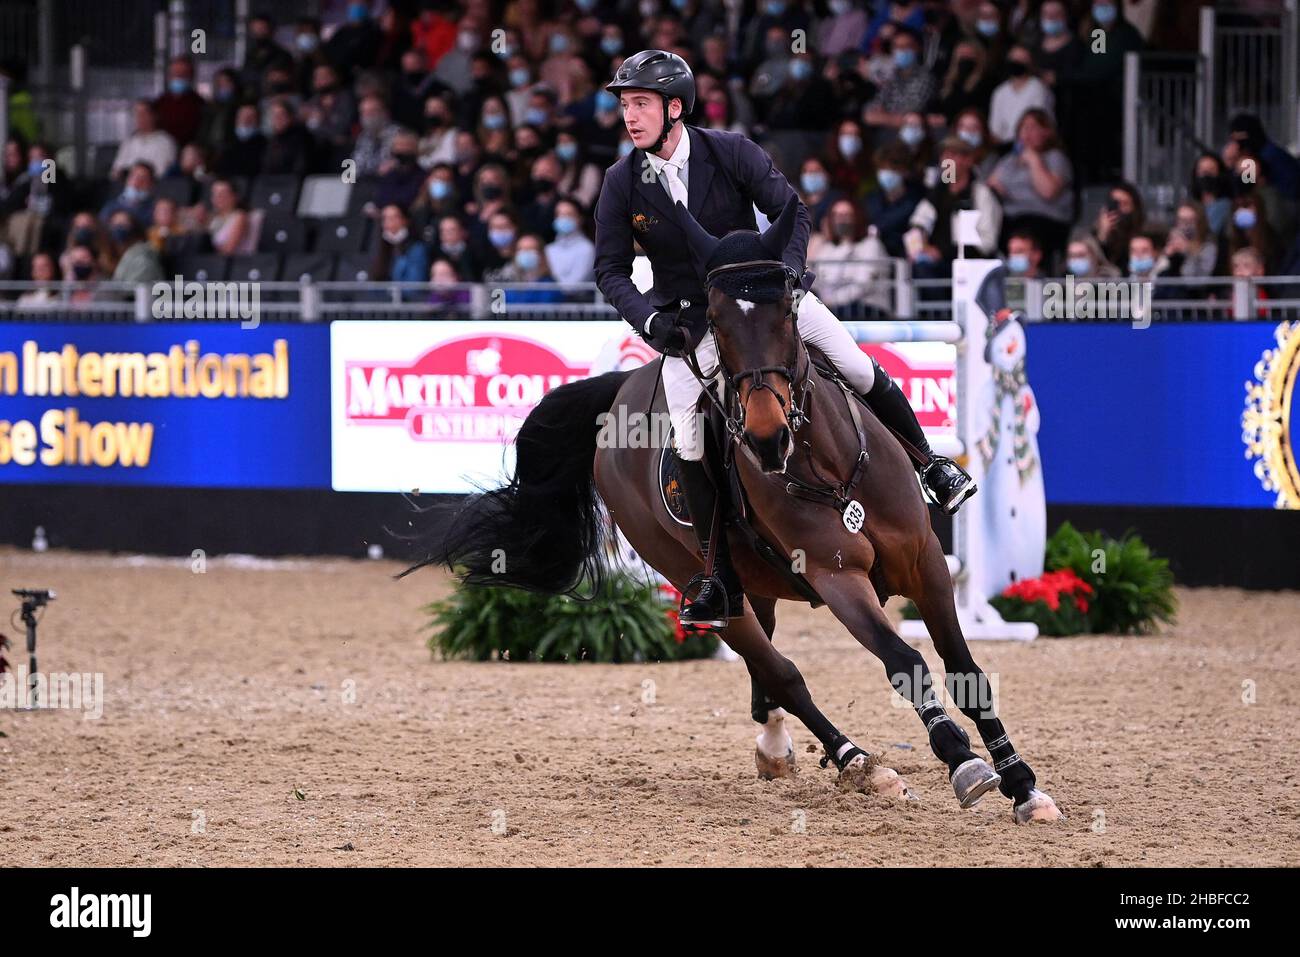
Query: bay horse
[793,429]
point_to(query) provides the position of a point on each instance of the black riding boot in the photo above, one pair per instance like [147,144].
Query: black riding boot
[719,596]
[946,482]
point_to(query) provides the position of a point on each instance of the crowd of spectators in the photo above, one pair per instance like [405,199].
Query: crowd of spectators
[477,135]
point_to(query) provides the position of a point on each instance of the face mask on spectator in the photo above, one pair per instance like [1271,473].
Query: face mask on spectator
[606,101]
[467,41]
[800,69]
[904,58]
[245,132]
[439,189]
[972,138]
[535,116]
[611,46]
[567,152]
[223,94]
[1016,68]
[586,6]
[453,249]
[133,195]
[404,159]
[494,121]
[889,179]
[178,86]
[1018,263]
[490,191]
[306,42]
[83,236]
[559,43]
[1052,27]
[849,145]
[501,238]
[519,77]
[35,167]
[82,270]
[1079,265]
[715,111]
[1244,218]
[624,147]
[541,184]
[1140,265]
[564,225]
[527,259]
[119,233]
[841,7]
[1103,13]
[397,236]
[649,8]
[434,121]
[842,230]
[357,12]
[988,28]
[813,182]
[774,8]
[373,124]
[911,134]
[680,4]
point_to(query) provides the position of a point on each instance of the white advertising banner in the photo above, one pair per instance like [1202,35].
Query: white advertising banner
[435,406]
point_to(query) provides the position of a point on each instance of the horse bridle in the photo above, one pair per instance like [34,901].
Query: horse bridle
[799,382]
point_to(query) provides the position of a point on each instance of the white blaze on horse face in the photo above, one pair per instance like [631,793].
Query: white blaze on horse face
[745,305]
[774,741]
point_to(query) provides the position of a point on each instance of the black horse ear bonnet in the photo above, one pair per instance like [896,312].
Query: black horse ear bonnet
[762,282]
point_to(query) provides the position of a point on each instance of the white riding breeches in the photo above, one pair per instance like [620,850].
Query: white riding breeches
[817,325]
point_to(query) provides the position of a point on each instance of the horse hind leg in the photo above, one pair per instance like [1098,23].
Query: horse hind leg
[968,685]
[776,673]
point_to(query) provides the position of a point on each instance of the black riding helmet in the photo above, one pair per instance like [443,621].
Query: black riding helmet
[658,71]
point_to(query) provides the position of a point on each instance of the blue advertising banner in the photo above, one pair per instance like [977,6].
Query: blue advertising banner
[1156,416]
[176,404]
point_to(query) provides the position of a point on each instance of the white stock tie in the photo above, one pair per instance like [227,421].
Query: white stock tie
[676,188]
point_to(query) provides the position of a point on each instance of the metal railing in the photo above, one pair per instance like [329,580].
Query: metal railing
[1166,124]
[1172,299]
[1253,68]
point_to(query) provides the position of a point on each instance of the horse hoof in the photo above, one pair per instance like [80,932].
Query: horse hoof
[1037,807]
[770,768]
[972,780]
[865,775]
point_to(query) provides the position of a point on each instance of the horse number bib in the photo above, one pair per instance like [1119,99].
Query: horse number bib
[853,516]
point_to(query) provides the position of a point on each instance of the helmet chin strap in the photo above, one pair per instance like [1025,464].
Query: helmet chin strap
[658,144]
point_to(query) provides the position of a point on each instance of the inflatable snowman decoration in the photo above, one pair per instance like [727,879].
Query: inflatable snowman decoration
[1012,507]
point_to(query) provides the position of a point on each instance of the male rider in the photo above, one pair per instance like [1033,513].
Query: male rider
[719,176]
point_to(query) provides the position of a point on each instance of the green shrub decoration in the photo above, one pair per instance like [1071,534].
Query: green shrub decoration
[625,620]
[1091,584]
[1133,589]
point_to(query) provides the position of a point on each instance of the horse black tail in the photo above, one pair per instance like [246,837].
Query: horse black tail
[544,530]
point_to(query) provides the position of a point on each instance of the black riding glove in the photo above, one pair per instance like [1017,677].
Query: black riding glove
[665,335]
